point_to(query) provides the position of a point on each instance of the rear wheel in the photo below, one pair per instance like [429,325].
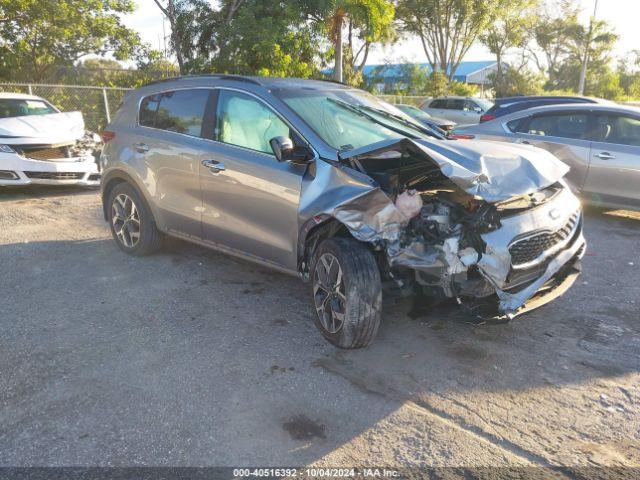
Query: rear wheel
[132,224]
[347,293]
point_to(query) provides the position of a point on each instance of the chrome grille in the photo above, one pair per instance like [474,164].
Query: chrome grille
[527,250]
[55,175]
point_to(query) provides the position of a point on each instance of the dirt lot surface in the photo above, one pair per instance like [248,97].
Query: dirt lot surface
[189,357]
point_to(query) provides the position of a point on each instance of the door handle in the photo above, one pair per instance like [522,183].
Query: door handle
[605,156]
[141,147]
[214,166]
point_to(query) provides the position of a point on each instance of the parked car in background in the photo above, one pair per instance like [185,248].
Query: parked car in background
[505,106]
[328,183]
[41,145]
[600,142]
[423,117]
[461,110]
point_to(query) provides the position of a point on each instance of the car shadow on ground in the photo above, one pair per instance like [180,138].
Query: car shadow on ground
[109,353]
[30,192]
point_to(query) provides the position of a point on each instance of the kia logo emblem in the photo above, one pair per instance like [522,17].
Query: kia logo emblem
[554,214]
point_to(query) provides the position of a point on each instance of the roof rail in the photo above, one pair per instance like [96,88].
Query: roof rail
[221,76]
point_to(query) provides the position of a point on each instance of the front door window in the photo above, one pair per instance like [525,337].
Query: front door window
[244,121]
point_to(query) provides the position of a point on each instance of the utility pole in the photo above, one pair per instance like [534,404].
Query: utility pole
[585,59]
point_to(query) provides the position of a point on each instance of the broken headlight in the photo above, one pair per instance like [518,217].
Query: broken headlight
[6,149]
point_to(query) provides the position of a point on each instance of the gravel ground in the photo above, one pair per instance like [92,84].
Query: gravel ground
[189,357]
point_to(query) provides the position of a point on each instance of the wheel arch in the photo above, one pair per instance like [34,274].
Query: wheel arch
[116,177]
[312,233]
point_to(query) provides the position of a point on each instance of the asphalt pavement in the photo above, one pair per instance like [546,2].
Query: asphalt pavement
[189,357]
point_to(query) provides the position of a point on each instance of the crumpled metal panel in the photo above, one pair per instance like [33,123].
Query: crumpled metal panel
[511,302]
[371,216]
[492,171]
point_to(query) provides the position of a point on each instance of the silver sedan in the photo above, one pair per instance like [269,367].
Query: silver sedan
[600,143]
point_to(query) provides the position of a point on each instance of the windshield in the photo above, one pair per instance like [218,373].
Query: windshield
[20,107]
[331,114]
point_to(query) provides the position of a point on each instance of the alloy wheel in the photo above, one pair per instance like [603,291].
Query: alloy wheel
[329,293]
[126,220]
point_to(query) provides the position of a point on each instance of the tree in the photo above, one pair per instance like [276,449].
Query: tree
[368,20]
[447,28]
[265,37]
[172,9]
[553,34]
[516,81]
[598,40]
[629,70]
[510,30]
[38,35]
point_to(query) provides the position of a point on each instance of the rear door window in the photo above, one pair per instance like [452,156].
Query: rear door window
[438,104]
[564,125]
[455,104]
[182,111]
[617,129]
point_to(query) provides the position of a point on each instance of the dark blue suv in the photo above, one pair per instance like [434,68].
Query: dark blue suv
[507,105]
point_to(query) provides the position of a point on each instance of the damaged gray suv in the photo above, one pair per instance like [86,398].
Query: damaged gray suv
[330,184]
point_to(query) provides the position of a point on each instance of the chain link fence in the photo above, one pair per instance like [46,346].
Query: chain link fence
[96,103]
[415,100]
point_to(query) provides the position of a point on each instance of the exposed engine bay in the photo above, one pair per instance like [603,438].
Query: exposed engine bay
[453,236]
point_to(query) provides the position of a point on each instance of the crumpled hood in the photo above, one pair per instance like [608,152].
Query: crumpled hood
[492,171]
[49,128]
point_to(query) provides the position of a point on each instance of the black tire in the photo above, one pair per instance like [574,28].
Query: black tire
[149,239]
[361,289]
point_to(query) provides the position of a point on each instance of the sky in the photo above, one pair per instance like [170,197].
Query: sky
[623,15]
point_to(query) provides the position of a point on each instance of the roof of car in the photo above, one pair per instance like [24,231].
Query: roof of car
[267,82]
[581,106]
[506,102]
[455,97]
[20,96]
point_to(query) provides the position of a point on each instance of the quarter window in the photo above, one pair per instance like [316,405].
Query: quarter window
[617,129]
[516,125]
[148,108]
[246,122]
[566,125]
[182,111]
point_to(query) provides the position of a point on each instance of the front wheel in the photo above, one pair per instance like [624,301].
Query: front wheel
[132,224]
[347,292]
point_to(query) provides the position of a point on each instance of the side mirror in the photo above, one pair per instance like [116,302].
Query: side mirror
[281,146]
[285,151]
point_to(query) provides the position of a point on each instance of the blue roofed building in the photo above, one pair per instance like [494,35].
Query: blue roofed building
[390,76]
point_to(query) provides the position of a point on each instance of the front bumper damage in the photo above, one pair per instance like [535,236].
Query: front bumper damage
[17,170]
[488,280]
[50,149]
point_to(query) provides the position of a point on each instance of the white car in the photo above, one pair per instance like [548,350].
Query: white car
[41,145]
[461,110]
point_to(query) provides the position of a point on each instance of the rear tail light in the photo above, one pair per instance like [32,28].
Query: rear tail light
[486,117]
[461,136]
[107,135]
